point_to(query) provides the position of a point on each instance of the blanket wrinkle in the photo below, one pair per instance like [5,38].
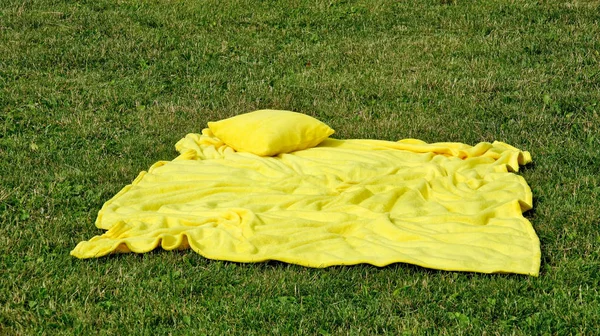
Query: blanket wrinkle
[445,205]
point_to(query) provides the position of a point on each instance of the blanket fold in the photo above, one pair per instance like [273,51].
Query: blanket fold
[447,206]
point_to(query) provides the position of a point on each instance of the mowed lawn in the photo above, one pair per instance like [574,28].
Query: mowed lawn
[94,91]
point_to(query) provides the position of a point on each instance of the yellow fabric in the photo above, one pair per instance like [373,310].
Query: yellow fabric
[270,132]
[447,206]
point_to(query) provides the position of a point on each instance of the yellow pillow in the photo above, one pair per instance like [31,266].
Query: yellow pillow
[270,132]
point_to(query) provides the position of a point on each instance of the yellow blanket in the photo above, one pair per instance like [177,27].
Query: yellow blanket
[447,206]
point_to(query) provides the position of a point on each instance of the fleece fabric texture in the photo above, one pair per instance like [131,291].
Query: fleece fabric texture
[447,206]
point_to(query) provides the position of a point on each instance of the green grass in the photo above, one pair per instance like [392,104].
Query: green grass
[92,92]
